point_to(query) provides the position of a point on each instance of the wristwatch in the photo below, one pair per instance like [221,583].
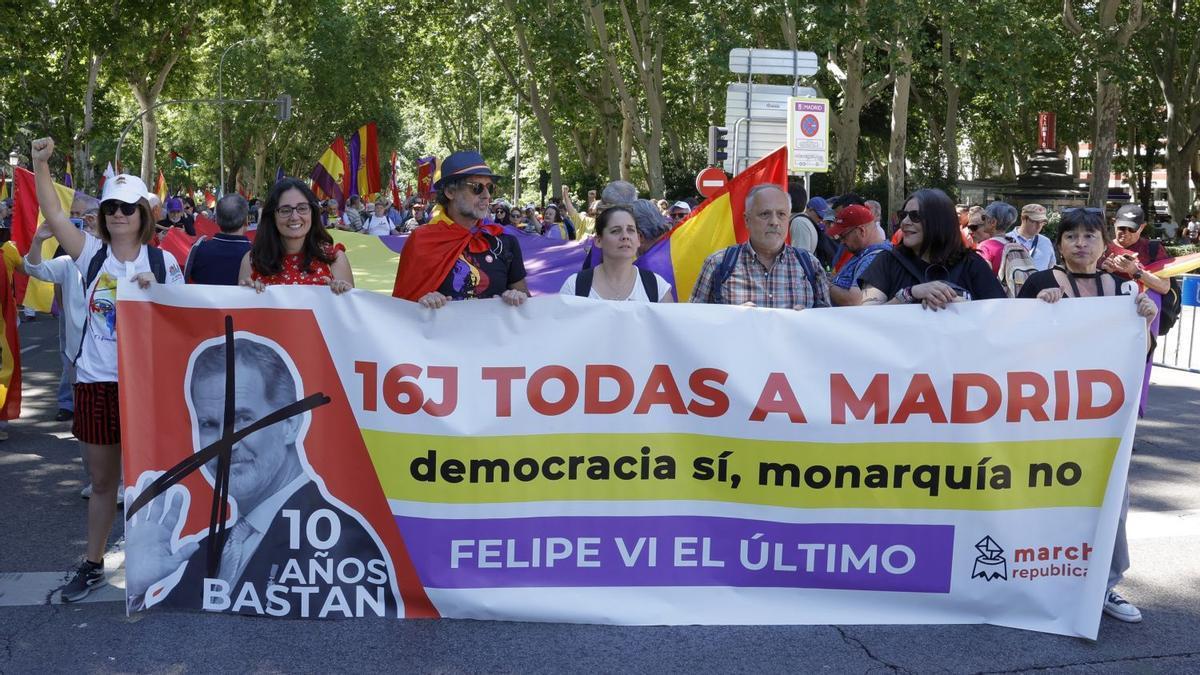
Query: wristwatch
[1137,275]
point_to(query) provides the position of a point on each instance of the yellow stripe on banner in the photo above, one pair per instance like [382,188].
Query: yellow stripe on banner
[708,231]
[970,476]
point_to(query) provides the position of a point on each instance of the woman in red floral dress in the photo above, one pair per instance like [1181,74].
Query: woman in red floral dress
[292,247]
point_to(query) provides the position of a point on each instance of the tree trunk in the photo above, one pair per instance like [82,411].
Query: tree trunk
[846,125]
[614,148]
[85,175]
[896,163]
[626,173]
[260,167]
[1195,171]
[1108,109]
[1179,197]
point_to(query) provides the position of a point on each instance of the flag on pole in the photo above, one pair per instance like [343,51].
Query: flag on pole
[160,188]
[426,168]
[279,175]
[3,188]
[108,173]
[27,213]
[329,176]
[10,353]
[68,180]
[392,181]
[367,169]
[210,200]
[716,224]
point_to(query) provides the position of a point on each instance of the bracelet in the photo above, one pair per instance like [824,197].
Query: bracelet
[1137,275]
[904,295]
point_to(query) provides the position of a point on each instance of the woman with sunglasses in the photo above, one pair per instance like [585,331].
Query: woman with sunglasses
[930,264]
[292,247]
[120,252]
[459,255]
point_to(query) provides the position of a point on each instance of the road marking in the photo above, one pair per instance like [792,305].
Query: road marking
[18,589]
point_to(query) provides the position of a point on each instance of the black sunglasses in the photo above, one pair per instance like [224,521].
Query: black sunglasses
[913,216]
[478,188]
[973,227]
[110,207]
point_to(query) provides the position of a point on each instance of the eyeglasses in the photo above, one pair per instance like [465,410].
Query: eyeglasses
[110,207]
[913,216]
[478,188]
[285,212]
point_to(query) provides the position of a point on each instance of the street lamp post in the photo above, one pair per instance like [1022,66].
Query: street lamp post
[221,104]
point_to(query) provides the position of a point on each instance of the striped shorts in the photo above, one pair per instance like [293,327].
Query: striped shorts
[97,415]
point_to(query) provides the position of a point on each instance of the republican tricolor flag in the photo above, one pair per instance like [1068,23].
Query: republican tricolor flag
[717,223]
[364,162]
[330,176]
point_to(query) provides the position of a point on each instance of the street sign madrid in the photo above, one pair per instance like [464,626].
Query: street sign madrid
[808,135]
[710,181]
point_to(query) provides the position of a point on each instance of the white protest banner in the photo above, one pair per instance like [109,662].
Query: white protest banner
[643,464]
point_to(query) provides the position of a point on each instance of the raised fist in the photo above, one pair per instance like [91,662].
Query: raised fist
[42,149]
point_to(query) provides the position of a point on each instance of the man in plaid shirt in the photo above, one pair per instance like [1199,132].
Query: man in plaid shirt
[764,271]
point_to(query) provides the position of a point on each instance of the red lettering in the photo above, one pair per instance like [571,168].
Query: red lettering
[920,399]
[1086,379]
[660,390]
[777,397]
[504,376]
[370,376]
[404,397]
[843,398]
[592,376]
[1062,396]
[1033,403]
[718,401]
[538,382]
[449,377]
[959,414]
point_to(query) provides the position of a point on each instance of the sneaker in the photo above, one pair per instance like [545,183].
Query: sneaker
[88,576]
[64,415]
[86,492]
[1121,609]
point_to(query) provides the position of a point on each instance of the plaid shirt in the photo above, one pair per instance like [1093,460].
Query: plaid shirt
[784,285]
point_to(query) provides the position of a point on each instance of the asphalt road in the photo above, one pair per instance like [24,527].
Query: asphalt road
[42,537]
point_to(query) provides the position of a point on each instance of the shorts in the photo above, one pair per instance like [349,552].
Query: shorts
[97,414]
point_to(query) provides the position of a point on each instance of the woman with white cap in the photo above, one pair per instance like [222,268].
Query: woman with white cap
[120,252]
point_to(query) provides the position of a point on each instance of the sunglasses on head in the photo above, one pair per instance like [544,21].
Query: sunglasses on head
[478,188]
[110,207]
[913,216]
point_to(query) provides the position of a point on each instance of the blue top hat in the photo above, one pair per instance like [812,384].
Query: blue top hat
[463,163]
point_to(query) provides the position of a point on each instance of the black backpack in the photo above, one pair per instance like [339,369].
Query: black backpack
[1172,300]
[583,283]
[725,269]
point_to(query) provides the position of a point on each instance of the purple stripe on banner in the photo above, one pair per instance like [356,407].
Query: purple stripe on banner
[678,551]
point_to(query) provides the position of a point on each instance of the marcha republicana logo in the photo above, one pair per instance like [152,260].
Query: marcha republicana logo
[990,564]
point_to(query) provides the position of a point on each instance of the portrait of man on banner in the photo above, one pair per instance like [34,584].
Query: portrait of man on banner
[289,548]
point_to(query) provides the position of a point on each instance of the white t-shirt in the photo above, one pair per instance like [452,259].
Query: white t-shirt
[1040,249]
[638,294]
[377,225]
[98,361]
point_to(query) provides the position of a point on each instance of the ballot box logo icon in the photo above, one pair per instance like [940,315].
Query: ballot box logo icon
[990,564]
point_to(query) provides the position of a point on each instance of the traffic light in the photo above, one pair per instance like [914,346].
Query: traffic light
[717,143]
[285,108]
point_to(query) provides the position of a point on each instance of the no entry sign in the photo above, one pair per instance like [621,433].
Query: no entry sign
[710,181]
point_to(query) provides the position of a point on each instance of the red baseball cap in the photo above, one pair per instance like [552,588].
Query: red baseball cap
[851,217]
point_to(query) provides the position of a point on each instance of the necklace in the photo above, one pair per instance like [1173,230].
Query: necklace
[606,288]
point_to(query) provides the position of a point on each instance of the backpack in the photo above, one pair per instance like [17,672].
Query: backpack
[725,270]
[158,267]
[583,283]
[1016,265]
[1172,300]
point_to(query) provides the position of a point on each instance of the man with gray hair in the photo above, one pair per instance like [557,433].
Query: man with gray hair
[218,260]
[764,271]
[616,193]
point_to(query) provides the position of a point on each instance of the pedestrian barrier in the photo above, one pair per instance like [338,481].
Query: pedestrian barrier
[1177,348]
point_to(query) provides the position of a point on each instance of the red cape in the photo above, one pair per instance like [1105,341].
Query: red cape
[430,252]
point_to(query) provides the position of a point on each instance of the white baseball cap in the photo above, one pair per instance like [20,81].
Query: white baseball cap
[125,188]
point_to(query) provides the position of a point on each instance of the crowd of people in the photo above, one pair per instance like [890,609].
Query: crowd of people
[801,254]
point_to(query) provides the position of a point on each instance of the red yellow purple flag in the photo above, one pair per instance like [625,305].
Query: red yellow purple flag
[330,176]
[160,188]
[716,223]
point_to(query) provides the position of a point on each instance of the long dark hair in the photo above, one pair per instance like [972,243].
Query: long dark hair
[941,241]
[266,254]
